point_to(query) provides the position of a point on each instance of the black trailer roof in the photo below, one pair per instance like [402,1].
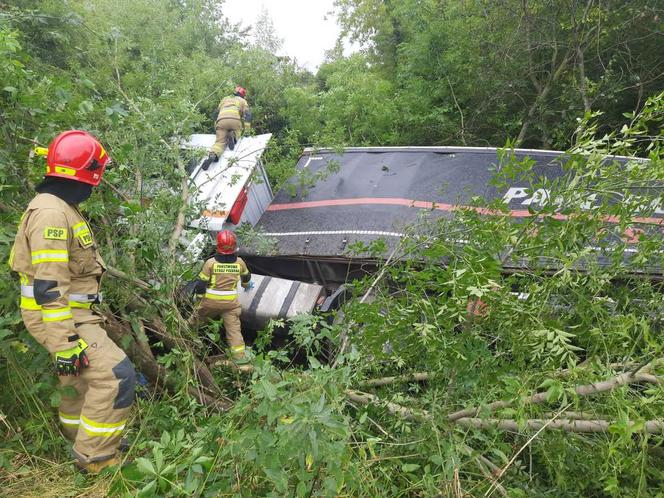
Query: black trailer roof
[379,192]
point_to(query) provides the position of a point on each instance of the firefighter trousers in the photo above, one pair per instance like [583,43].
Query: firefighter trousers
[95,405]
[222,128]
[230,311]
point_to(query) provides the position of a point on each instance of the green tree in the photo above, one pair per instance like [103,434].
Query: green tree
[480,72]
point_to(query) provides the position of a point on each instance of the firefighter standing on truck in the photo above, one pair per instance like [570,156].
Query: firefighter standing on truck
[234,116]
[219,281]
[60,270]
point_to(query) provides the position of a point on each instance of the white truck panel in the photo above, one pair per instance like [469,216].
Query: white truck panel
[219,186]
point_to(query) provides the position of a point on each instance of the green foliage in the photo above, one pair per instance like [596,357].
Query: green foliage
[144,74]
[358,105]
[294,434]
[480,72]
[176,465]
[577,316]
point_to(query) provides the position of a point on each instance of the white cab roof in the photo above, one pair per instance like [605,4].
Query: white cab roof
[217,188]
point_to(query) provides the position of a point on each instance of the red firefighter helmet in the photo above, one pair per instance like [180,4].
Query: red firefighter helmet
[226,242]
[240,92]
[76,155]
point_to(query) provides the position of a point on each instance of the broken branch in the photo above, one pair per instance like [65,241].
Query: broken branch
[393,408]
[384,381]
[578,416]
[408,414]
[584,390]
[114,272]
[530,440]
[567,425]
[184,200]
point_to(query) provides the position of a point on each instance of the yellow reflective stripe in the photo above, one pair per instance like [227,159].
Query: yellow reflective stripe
[80,305]
[82,232]
[220,298]
[230,292]
[56,315]
[23,279]
[29,303]
[78,227]
[203,276]
[102,429]
[63,170]
[101,432]
[237,349]
[49,256]
[230,106]
[85,298]
[230,111]
[67,419]
[103,425]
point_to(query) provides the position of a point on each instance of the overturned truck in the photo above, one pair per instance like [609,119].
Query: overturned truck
[302,235]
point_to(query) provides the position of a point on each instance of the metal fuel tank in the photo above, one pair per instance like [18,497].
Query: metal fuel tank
[273,298]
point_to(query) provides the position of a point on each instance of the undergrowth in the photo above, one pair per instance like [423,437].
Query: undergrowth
[567,297]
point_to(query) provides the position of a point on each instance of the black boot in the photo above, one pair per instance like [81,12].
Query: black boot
[211,158]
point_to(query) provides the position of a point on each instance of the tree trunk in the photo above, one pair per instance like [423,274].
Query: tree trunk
[141,355]
[567,425]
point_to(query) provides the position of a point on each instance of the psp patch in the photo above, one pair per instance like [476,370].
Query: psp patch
[55,233]
[85,237]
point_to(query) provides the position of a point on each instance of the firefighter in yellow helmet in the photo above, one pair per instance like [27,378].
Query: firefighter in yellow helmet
[234,117]
[60,270]
[219,280]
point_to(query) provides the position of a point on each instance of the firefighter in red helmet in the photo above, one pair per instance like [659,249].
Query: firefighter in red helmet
[219,280]
[234,116]
[60,270]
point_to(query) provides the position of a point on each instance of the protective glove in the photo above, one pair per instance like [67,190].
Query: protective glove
[70,361]
[249,286]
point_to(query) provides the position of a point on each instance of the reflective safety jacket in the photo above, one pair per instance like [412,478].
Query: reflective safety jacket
[222,279]
[59,267]
[233,111]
